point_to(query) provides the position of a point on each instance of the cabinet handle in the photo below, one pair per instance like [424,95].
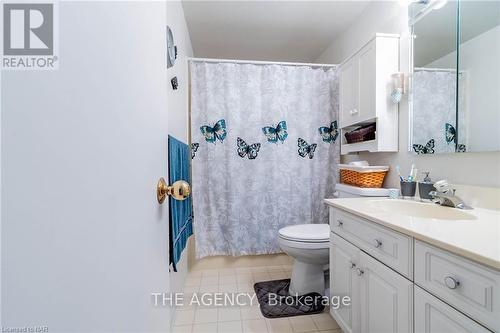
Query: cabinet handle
[377,243]
[451,282]
[353,111]
[353,265]
[360,271]
[340,224]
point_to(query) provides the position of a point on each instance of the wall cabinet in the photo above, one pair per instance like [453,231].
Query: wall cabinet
[365,87]
[349,97]
[441,293]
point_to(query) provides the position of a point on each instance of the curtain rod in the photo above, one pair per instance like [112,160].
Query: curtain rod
[424,69]
[256,62]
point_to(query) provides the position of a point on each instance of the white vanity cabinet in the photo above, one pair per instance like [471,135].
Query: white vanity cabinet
[469,287]
[364,94]
[392,248]
[344,258]
[400,284]
[435,316]
[386,298]
[381,299]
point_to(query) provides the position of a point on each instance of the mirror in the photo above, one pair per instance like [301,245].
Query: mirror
[455,100]
[479,61]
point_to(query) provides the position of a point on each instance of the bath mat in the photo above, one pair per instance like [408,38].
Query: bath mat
[276,303]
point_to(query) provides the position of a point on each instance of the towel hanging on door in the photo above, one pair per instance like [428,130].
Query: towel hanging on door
[181,212]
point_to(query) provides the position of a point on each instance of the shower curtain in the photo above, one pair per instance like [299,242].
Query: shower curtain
[264,153]
[434,112]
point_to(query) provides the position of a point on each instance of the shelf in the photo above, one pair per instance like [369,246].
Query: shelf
[370,146]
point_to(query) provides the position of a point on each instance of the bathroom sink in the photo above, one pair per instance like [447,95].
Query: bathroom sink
[420,210]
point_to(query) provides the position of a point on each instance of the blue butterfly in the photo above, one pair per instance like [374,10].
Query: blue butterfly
[305,149]
[273,134]
[194,149]
[329,134]
[218,131]
[247,150]
[449,133]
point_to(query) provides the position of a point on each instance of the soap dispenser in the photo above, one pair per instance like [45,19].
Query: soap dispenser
[425,186]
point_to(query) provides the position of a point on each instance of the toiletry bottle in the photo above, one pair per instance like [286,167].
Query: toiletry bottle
[427,179]
[425,186]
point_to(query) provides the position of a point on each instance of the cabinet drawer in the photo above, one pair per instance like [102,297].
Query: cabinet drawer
[472,288]
[435,316]
[390,247]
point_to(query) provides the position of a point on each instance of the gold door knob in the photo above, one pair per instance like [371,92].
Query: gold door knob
[180,190]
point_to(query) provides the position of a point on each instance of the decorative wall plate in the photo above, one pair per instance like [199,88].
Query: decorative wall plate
[171,48]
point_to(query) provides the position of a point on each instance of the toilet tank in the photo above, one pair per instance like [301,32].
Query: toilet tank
[348,191]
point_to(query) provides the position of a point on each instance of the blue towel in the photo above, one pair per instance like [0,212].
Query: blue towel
[181,212]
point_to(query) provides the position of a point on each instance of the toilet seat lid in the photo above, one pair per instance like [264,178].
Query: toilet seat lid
[306,232]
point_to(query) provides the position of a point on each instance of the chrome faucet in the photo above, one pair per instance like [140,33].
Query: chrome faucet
[448,198]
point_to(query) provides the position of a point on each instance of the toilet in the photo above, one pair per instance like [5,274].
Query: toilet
[309,245]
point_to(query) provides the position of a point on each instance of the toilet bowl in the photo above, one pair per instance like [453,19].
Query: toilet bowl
[309,245]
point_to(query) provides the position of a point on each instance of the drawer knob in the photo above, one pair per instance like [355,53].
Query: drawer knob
[353,111]
[451,282]
[340,223]
[353,265]
[377,243]
[359,271]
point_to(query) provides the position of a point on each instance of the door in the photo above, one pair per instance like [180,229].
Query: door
[84,240]
[349,90]
[386,302]
[435,316]
[343,281]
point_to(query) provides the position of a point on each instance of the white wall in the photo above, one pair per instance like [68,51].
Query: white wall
[177,108]
[479,63]
[481,169]
[178,99]
[84,242]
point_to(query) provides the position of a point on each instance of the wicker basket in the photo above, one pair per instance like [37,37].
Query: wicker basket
[363,176]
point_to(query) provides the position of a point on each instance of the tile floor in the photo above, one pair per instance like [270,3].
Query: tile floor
[243,319]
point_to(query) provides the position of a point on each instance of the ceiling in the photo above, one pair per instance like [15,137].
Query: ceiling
[267,30]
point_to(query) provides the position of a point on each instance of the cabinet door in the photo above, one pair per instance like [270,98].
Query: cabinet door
[386,302]
[435,316]
[349,91]
[343,282]
[367,75]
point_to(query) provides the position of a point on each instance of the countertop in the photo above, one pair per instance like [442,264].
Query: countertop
[477,239]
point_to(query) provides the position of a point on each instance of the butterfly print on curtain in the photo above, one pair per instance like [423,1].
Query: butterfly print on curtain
[275,134]
[216,132]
